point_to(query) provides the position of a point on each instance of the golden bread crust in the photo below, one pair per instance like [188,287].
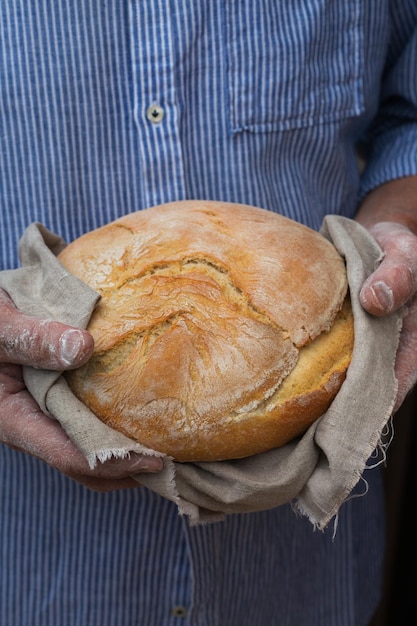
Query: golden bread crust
[207,312]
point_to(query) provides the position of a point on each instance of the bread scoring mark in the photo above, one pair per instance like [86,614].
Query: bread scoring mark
[129,229]
[104,361]
[231,306]
[191,327]
[141,328]
[327,374]
[207,267]
[255,405]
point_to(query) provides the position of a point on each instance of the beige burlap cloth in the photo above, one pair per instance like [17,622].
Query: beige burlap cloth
[316,472]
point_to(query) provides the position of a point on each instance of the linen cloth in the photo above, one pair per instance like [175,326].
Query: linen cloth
[315,472]
[78,151]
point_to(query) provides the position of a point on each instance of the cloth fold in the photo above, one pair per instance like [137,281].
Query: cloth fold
[316,472]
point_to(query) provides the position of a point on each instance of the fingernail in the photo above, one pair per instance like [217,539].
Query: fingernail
[70,343]
[147,464]
[383,295]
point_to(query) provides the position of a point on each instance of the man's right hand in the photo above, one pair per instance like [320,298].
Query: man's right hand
[47,344]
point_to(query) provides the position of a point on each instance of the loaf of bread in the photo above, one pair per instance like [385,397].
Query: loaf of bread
[222,331]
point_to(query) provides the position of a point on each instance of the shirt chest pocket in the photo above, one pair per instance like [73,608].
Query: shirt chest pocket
[293,64]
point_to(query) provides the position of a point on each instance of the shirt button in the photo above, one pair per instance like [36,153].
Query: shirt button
[179,611]
[155,113]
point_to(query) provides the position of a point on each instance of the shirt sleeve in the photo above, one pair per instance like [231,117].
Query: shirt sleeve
[391,140]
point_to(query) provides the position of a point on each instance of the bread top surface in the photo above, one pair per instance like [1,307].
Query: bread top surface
[287,271]
[204,309]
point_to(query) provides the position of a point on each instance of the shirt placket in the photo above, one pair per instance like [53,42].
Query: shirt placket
[155,103]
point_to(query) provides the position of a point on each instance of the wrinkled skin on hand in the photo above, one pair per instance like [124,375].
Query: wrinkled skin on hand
[391,286]
[390,213]
[51,345]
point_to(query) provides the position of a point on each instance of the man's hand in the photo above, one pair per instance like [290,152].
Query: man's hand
[51,345]
[390,214]
[391,286]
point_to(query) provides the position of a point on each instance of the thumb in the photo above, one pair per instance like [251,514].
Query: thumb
[41,343]
[394,282]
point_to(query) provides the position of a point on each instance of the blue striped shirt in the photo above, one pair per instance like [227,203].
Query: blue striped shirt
[107,107]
